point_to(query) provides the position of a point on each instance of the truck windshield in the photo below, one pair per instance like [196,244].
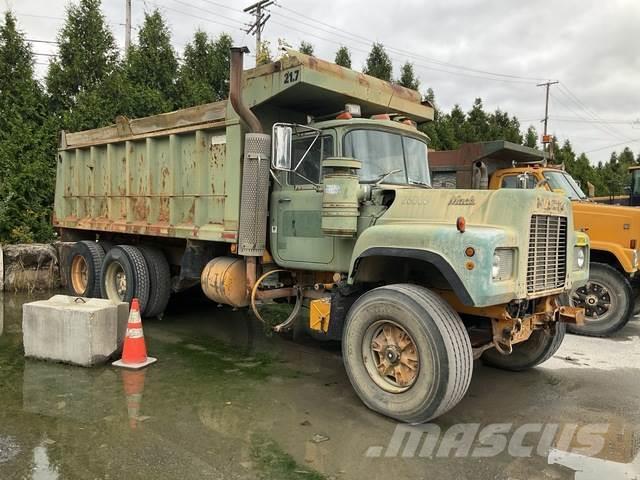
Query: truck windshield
[383,152]
[635,181]
[564,181]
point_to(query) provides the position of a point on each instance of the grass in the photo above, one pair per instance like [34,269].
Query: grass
[273,463]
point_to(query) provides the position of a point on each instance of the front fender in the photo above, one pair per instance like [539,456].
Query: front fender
[444,246]
[623,255]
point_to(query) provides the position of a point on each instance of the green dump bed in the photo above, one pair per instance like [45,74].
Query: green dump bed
[178,174]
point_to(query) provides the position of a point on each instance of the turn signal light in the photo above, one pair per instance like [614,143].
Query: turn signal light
[632,244]
[461,224]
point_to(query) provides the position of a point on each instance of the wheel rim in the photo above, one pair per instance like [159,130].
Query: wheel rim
[79,274]
[390,356]
[115,281]
[597,301]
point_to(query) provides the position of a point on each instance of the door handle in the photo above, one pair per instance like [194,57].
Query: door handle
[284,199]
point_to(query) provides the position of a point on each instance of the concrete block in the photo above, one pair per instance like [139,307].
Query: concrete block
[80,331]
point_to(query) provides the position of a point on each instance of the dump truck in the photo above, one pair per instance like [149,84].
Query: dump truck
[332,212]
[610,298]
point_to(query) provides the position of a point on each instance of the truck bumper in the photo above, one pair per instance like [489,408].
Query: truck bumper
[509,327]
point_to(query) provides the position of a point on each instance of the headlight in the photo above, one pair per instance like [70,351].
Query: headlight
[502,264]
[579,258]
[635,258]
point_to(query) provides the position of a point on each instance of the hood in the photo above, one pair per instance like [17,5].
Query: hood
[500,208]
[608,223]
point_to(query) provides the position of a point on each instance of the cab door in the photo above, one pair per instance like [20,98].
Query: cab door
[296,208]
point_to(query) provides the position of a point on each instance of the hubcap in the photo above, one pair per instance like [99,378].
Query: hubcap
[79,274]
[390,356]
[596,300]
[115,282]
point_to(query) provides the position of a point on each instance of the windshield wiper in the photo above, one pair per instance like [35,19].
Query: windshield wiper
[384,176]
[419,183]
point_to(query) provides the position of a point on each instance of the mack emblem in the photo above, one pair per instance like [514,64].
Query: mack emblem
[460,200]
[550,205]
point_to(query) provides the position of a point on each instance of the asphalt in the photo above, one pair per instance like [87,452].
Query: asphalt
[228,401]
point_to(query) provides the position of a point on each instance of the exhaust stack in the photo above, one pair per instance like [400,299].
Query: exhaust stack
[255,170]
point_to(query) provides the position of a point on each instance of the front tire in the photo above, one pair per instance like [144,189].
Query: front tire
[607,299]
[537,349]
[406,353]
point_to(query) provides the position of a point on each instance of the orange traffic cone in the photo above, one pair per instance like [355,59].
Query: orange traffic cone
[134,354]
[133,382]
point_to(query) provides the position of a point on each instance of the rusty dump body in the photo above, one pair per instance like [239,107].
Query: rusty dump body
[178,174]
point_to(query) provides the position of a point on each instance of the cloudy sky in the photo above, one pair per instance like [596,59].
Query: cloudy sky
[494,49]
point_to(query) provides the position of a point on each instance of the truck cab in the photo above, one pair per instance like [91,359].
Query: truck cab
[614,231]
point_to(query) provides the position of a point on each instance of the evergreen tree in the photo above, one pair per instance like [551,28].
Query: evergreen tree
[531,137]
[378,63]
[408,78]
[204,74]
[152,62]
[343,57]
[306,48]
[27,143]
[87,54]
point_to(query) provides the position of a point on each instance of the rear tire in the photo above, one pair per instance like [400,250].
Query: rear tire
[606,286]
[159,280]
[125,276]
[540,347]
[417,328]
[84,266]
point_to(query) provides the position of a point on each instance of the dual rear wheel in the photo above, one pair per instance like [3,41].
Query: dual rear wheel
[120,274]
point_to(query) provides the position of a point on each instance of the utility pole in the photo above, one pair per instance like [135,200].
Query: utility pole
[260,19]
[127,27]
[546,140]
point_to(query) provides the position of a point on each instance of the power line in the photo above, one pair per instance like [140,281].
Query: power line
[199,17]
[395,57]
[626,143]
[39,16]
[587,120]
[404,52]
[52,42]
[571,96]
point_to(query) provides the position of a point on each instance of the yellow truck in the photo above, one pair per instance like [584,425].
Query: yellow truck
[609,298]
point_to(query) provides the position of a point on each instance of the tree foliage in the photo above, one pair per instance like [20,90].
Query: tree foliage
[204,74]
[343,57]
[88,84]
[87,54]
[408,77]
[378,63]
[306,48]
[27,152]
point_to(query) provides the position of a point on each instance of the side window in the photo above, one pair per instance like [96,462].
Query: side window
[310,166]
[511,181]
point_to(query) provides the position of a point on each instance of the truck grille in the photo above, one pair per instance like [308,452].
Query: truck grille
[547,261]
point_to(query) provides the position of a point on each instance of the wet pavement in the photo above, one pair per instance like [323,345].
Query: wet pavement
[227,401]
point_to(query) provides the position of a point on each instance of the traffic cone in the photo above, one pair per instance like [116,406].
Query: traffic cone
[133,383]
[134,353]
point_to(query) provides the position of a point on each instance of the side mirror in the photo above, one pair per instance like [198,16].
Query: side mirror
[281,147]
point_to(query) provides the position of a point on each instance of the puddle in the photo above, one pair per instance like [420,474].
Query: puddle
[227,401]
